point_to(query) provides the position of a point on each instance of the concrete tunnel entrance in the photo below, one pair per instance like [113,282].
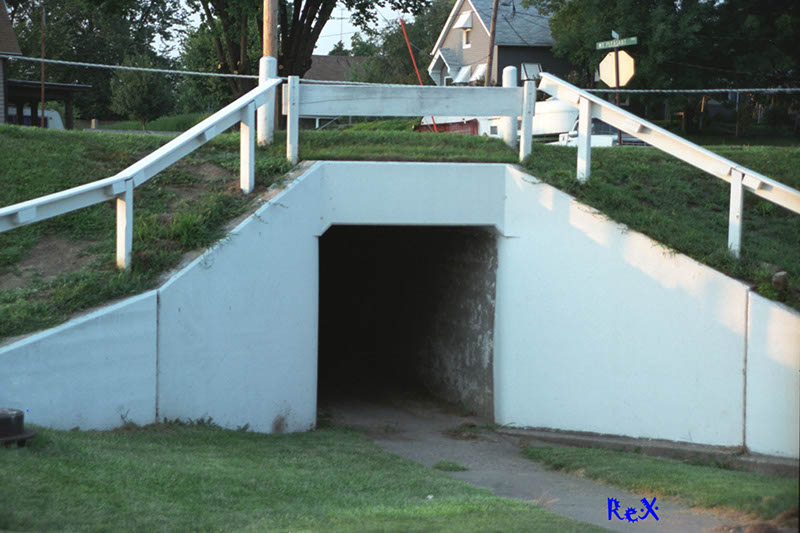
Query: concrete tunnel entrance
[407,311]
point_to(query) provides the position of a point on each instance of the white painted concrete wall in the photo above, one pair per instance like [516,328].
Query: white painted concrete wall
[773,378]
[94,372]
[238,327]
[600,329]
[424,194]
[597,328]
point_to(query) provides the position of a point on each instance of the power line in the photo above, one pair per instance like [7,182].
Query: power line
[123,67]
[771,90]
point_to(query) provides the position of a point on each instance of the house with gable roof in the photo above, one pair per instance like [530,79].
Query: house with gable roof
[522,40]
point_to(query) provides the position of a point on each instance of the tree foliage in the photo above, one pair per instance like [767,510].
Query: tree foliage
[140,96]
[682,43]
[300,24]
[387,57]
[92,31]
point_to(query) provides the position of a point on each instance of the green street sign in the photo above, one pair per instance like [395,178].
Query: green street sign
[616,43]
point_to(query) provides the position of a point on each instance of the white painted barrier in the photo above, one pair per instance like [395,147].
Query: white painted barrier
[509,101]
[773,378]
[601,329]
[94,372]
[597,328]
[121,185]
[591,106]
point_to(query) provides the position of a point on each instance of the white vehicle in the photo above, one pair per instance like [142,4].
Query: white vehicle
[602,135]
[552,117]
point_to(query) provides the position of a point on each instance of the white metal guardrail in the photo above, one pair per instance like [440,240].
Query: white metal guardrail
[740,178]
[121,185]
[407,101]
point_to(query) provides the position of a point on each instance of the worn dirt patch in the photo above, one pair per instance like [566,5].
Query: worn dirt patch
[51,256]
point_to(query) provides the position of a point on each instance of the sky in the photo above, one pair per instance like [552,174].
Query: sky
[339,27]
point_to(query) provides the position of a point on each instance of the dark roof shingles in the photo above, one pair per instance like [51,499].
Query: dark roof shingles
[8,39]
[516,27]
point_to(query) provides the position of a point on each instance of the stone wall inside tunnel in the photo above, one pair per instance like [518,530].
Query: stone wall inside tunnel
[408,310]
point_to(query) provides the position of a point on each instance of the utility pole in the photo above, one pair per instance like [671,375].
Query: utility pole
[267,115]
[270,47]
[19,113]
[490,57]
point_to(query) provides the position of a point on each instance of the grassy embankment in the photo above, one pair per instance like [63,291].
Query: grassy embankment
[186,207]
[764,496]
[201,478]
[168,123]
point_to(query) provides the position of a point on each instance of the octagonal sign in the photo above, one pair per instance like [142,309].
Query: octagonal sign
[607,69]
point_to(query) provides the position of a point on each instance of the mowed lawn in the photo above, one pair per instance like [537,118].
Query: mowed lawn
[704,485]
[176,477]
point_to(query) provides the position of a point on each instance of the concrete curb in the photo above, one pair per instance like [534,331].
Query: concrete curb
[734,458]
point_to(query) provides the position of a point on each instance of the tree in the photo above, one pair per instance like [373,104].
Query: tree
[670,33]
[95,32]
[300,24]
[339,50]
[140,96]
[387,55]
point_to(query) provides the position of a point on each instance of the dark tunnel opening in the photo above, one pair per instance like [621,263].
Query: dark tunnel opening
[407,311]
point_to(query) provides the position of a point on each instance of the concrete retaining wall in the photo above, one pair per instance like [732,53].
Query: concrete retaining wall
[597,328]
[603,330]
[773,378]
[94,372]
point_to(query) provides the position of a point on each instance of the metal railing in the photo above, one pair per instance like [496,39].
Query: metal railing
[121,186]
[740,178]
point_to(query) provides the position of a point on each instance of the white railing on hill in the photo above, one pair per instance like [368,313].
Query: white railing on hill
[509,101]
[512,102]
[311,100]
[121,185]
[740,178]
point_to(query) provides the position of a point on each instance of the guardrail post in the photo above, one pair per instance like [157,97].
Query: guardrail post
[247,149]
[293,120]
[528,110]
[584,139]
[735,216]
[265,123]
[125,226]
[510,123]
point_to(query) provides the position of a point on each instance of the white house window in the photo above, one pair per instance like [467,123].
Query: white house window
[531,71]
[464,22]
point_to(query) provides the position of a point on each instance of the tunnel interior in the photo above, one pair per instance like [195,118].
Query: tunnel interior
[407,311]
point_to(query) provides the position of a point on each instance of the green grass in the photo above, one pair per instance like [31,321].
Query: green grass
[641,187]
[705,486]
[170,123]
[198,477]
[687,209]
[180,210]
[450,466]
[392,124]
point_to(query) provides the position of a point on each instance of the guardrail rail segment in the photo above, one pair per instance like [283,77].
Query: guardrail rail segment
[120,186]
[740,178]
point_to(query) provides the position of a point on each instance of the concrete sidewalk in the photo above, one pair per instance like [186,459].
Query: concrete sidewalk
[423,432]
